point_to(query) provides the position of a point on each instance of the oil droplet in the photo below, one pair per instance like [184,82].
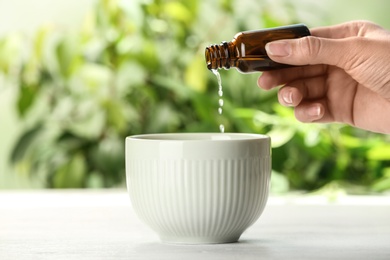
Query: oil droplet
[221,128]
[220,94]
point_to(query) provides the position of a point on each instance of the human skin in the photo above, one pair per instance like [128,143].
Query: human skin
[343,75]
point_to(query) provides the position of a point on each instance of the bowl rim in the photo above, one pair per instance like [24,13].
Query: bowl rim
[197,137]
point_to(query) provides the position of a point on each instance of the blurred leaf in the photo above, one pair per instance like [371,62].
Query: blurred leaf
[88,123]
[148,55]
[282,111]
[312,171]
[40,41]
[262,118]
[26,99]
[178,11]
[202,105]
[95,78]
[269,18]
[192,6]
[67,55]
[280,135]
[244,113]
[351,141]
[279,183]
[163,118]
[126,82]
[312,137]
[95,180]
[88,26]
[72,174]
[195,75]
[379,153]
[116,116]
[176,86]
[108,159]
[134,10]
[24,143]
[10,52]
[383,184]
[227,5]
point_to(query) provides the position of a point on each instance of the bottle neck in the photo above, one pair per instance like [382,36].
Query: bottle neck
[218,56]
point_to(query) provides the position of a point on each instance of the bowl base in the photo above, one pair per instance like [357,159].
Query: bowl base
[199,240]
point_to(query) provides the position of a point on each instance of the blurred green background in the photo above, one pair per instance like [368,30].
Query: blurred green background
[77,77]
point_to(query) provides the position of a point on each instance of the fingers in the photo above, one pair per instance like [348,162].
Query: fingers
[295,92]
[307,51]
[290,96]
[313,112]
[346,53]
[271,79]
[306,110]
[343,46]
[345,30]
[309,102]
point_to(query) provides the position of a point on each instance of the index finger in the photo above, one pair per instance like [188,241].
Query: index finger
[344,30]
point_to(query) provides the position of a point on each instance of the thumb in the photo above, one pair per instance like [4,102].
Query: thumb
[309,50]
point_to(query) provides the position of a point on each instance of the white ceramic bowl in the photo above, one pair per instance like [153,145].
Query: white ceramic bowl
[198,188]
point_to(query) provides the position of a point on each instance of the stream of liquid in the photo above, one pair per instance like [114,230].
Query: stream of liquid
[220,94]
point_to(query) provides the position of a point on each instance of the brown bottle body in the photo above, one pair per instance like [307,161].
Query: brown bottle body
[246,52]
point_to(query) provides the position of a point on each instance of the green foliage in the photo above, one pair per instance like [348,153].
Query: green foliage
[138,67]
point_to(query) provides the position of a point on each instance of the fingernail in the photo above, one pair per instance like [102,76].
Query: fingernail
[278,48]
[314,111]
[287,97]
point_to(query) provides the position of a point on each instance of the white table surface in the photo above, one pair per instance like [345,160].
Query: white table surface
[79,224]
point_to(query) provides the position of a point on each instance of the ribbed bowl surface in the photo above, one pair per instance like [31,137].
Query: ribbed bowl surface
[197,200]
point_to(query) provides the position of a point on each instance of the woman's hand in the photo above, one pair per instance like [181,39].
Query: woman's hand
[344,75]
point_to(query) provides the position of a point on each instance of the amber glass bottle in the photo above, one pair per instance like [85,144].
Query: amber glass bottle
[246,52]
